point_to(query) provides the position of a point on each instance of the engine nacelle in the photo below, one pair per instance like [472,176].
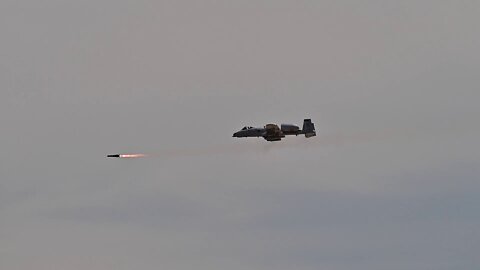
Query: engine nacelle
[288,128]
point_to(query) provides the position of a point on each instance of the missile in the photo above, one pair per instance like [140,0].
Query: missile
[117,155]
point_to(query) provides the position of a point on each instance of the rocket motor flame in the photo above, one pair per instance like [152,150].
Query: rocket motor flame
[126,156]
[132,155]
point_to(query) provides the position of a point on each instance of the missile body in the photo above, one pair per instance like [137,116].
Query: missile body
[117,155]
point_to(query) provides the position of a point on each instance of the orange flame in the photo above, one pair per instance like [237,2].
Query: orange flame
[132,155]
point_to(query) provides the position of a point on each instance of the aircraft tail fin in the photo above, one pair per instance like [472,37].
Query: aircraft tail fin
[308,128]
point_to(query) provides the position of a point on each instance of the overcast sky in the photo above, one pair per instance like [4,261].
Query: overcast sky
[390,182]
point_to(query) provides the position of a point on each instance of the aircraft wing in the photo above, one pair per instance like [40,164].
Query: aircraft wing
[273,133]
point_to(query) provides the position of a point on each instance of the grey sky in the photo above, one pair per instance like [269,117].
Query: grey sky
[390,182]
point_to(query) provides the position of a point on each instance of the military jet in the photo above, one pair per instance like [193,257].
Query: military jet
[271,132]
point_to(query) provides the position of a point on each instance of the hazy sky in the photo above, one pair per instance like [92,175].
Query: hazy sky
[390,182]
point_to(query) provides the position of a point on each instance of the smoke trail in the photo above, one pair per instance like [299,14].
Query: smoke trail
[252,146]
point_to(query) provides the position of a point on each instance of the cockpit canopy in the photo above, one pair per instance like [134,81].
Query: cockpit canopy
[245,128]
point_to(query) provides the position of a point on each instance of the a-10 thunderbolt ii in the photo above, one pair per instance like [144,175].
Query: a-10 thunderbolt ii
[271,132]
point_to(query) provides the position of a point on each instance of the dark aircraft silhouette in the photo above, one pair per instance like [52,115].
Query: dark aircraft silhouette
[271,132]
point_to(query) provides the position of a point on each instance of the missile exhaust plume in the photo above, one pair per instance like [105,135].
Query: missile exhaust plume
[127,156]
